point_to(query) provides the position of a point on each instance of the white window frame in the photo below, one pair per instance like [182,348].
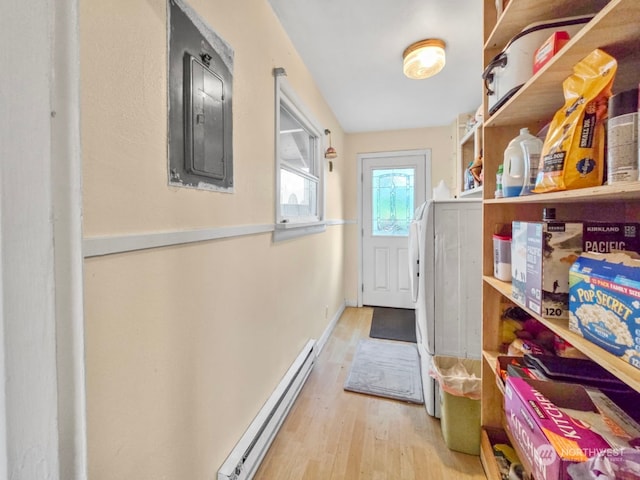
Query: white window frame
[290,227]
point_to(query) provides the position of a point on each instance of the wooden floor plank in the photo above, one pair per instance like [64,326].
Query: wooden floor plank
[331,434]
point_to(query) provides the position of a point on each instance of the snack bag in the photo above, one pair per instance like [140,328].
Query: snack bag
[573,152]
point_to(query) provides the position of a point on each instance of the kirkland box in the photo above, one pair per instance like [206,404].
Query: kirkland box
[605,237]
[548,437]
[543,252]
[605,302]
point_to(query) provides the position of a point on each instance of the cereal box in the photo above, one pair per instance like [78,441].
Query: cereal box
[549,438]
[605,302]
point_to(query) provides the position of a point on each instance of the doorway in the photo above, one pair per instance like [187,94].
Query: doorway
[392,186]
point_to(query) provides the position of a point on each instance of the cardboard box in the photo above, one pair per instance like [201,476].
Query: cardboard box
[541,255]
[605,303]
[549,438]
[543,252]
[549,48]
[604,237]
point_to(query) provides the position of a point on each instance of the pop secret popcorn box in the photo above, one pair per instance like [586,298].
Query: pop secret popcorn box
[548,438]
[604,302]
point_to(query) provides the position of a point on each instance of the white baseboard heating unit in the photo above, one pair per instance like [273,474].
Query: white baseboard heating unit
[245,458]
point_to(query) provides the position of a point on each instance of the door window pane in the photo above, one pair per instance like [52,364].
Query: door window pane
[392,201]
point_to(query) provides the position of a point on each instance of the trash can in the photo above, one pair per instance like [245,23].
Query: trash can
[460,388]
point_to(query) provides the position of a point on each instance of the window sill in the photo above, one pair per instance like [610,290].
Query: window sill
[286,231]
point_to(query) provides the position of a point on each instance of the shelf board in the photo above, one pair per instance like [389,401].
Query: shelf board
[473,192]
[492,359]
[614,29]
[503,287]
[489,437]
[511,23]
[524,461]
[621,369]
[469,135]
[604,193]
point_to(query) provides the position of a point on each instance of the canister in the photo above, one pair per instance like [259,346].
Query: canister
[502,257]
[622,137]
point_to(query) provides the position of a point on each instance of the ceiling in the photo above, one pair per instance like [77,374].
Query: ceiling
[353,49]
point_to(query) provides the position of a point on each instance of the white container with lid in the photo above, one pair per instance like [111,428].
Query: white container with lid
[531,150]
[514,170]
[502,257]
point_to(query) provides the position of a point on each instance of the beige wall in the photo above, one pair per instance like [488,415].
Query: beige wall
[184,344]
[437,139]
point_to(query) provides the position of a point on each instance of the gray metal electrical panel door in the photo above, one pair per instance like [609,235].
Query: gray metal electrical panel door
[200,94]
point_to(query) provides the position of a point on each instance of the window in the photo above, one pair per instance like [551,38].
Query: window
[392,208]
[299,166]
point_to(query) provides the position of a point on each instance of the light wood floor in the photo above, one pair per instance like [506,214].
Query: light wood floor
[332,434]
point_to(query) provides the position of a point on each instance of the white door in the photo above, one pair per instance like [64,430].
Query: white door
[393,185]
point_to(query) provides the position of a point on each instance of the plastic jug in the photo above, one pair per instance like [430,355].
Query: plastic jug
[531,149]
[513,175]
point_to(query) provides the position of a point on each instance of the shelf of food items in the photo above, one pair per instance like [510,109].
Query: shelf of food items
[548,388]
[561,329]
[561,343]
[567,153]
[565,343]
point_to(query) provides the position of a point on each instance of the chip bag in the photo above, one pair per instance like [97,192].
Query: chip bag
[573,152]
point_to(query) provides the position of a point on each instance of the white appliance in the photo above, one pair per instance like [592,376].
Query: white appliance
[445,250]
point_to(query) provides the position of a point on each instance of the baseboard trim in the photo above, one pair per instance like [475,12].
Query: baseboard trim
[245,458]
[330,327]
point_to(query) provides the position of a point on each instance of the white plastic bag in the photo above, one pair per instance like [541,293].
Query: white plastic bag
[458,376]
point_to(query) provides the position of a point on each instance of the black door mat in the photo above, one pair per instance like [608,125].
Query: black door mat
[393,324]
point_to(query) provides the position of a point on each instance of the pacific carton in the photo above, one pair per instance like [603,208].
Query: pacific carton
[605,302]
[605,237]
[549,438]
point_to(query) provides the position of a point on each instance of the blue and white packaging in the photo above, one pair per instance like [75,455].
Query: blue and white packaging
[604,302]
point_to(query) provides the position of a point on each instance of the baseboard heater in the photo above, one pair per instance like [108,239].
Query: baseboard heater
[245,458]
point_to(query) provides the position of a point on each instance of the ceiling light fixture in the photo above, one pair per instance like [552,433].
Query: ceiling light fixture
[423,59]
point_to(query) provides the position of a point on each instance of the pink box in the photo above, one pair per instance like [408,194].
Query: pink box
[550,439]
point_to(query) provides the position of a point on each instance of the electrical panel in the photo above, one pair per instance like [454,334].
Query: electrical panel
[200,101]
